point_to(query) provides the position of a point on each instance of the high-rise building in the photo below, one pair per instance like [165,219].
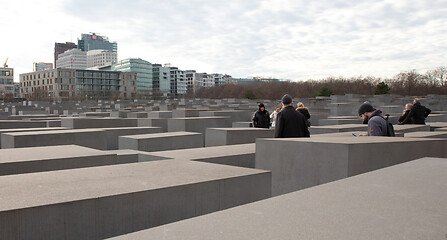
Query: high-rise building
[6,82]
[93,41]
[41,66]
[72,59]
[144,73]
[99,58]
[66,84]
[60,48]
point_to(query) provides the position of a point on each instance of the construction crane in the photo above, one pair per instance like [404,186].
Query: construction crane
[5,65]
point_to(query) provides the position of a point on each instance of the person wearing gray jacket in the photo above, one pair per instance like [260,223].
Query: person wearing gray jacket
[377,125]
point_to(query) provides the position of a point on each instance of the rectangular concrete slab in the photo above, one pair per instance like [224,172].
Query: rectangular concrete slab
[241,155]
[197,124]
[84,122]
[403,202]
[8,124]
[337,128]
[101,202]
[161,141]
[38,159]
[298,163]
[231,136]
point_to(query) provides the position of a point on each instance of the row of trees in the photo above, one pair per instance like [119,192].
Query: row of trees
[405,83]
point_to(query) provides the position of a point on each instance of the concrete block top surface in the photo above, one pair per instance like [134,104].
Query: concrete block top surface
[199,153]
[426,134]
[54,132]
[199,118]
[47,153]
[242,129]
[437,124]
[162,135]
[45,188]
[406,201]
[349,140]
[341,126]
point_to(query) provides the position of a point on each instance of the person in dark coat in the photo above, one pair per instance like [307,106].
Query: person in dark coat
[418,113]
[305,111]
[261,118]
[407,110]
[289,122]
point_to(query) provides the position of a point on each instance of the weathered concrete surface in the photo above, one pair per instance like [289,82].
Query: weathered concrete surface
[197,124]
[98,138]
[411,128]
[425,134]
[38,159]
[242,155]
[8,124]
[231,136]
[28,130]
[298,163]
[236,115]
[337,128]
[161,141]
[403,202]
[101,202]
[84,122]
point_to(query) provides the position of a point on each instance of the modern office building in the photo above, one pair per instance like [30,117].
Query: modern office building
[93,41]
[41,66]
[60,48]
[144,71]
[77,84]
[196,81]
[161,83]
[178,82]
[6,82]
[72,59]
[99,58]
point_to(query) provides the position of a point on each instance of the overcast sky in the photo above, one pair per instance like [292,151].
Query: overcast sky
[296,39]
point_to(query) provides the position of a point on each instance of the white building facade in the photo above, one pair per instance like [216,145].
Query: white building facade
[72,59]
[99,58]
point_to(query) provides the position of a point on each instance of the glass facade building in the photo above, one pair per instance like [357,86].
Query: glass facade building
[6,81]
[93,42]
[144,71]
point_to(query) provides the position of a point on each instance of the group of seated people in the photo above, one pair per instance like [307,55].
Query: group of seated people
[414,113]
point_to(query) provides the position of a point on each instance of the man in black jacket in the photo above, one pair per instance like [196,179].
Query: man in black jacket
[417,114]
[261,119]
[290,123]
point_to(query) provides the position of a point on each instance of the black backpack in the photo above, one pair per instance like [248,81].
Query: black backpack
[389,127]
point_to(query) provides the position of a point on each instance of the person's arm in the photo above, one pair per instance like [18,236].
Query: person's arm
[409,116]
[279,125]
[374,127]
[404,115]
[427,111]
[255,120]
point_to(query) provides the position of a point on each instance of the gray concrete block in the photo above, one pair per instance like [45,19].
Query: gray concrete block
[27,130]
[112,134]
[425,134]
[102,202]
[407,128]
[242,155]
[301,163]
[38,159]
[405,201]
[11,124]
[242,124]
[197,124]
[337,128]
[154,122]
[231,136]
[159,114]
[236,115]
[81,123]
[161,141]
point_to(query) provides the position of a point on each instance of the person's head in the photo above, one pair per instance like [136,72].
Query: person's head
[261,107]
[408,106]
[365,110]
[277,109]
[286,100]
[300,105]
[417,100]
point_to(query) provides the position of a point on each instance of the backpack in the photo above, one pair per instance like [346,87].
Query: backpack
[389,127]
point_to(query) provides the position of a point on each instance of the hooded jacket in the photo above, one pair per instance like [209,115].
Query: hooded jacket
[377,125]
[304,111]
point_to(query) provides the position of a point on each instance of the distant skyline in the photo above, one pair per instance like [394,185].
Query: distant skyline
[295,40]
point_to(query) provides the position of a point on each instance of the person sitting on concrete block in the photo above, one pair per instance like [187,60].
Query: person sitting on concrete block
[418,113]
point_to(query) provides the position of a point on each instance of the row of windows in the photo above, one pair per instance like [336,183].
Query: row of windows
[5,73]
[7,81]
